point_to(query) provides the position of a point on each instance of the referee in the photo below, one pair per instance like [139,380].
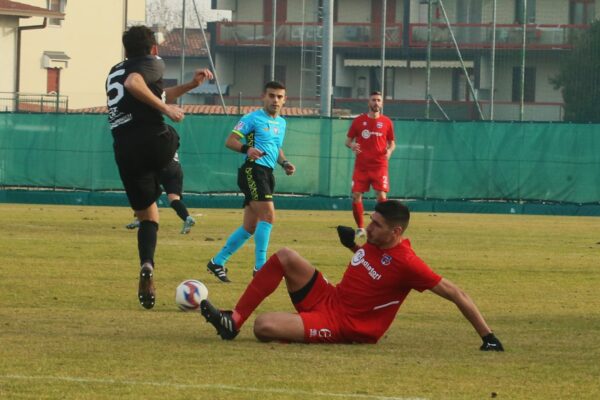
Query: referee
[143,144]
[259,136]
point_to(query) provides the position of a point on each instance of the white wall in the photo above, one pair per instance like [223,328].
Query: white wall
[8,51]
[91,36]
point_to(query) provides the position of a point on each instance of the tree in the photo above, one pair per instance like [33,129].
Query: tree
[579,78]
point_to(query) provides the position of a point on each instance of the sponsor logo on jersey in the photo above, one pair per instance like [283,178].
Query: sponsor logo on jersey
[359,259]
[239,126]
[367,134]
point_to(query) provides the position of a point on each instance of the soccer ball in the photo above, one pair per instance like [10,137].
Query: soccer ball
[189,294]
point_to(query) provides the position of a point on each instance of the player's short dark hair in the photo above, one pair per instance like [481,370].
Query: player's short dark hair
[274,85]
[138,41]
[375,93]
[394,212]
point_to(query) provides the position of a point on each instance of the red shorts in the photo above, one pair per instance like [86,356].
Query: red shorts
[322,316]
[363,178]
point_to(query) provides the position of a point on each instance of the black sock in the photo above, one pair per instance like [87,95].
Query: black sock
[147,241]
[180,209]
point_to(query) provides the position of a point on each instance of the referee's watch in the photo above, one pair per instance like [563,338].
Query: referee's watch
[284,163]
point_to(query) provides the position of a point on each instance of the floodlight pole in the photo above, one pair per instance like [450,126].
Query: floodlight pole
[182,72]
[327,65]
[383,28]
[273,39]
[428,71]
[493,89]
[522,100]
[210,59]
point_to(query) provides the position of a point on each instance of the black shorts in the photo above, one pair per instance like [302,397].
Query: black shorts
[171,178]
[257,182]
[140,155]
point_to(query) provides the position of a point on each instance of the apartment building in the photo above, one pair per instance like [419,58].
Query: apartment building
[463,38]
[67,51]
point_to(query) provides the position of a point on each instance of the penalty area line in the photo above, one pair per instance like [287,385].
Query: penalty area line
[200,386]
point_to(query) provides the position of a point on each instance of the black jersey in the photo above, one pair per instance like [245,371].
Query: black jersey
[125,112]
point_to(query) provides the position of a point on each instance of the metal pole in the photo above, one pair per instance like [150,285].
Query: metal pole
[428,71]
[462,63]
[274,39]
[302,61]
[493,88]
[383,28]
[210,59]
[522,105]
[327,65]
[182,72]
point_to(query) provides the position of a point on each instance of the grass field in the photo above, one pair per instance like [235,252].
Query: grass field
[71,326]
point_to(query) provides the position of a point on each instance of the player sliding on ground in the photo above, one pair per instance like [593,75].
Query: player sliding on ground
[362,306]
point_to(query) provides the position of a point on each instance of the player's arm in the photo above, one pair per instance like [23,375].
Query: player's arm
[467,307]
[352,145]
[200,75]
[234,142]
[390,148]
[138,88]
[288,167]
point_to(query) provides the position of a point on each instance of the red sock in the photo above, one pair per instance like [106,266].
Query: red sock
[263,284]
[358,211]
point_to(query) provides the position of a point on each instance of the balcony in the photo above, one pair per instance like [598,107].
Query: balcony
[479,36]
[309,34]
[365,35]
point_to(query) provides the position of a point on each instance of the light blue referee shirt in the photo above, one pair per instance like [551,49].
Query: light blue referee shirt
[263,132]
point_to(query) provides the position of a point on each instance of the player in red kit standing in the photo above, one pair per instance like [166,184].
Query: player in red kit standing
[371,138]
[362,306]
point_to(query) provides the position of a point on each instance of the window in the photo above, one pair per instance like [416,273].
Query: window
[581,12]
[56,5]
[529,95]
[53,80]
[519,8]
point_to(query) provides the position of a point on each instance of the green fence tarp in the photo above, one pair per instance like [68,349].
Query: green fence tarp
[540,162]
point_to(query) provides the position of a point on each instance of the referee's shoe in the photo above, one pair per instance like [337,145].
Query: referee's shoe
[217,270]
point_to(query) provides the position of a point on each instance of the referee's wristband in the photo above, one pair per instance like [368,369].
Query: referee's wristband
[244,149]
[283,163]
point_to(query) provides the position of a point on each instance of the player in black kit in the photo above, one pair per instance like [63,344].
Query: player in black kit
[143,144]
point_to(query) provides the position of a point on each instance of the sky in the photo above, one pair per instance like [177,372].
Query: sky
[168,13]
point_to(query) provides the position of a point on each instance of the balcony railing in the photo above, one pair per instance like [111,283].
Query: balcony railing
[507,36]
[477,36]
[33,102]
[297,34]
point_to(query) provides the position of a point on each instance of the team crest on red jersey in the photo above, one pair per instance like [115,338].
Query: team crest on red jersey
[386,259]
[380,125]
[357,257]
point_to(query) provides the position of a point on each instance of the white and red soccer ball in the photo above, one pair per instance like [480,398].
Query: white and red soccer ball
[189,294]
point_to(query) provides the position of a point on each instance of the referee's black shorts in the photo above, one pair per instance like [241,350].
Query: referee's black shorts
[171,178]
[257,182]
[141,154]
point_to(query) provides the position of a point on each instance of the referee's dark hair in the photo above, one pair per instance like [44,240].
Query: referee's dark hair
[274,85]
[138,41]
[394,213]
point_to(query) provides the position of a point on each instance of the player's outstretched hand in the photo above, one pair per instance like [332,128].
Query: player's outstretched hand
[491,343]
[346,235]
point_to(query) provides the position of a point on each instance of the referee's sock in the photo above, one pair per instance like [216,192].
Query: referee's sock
[180,209]
[261,243]
[147,235]
[234,242]
[263,284]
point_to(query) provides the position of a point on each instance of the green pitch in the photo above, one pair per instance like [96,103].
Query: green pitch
[71,326]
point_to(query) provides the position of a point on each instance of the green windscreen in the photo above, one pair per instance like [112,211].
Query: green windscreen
[432,161]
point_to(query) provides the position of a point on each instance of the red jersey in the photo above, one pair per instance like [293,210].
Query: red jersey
[373,135]
[376,283]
